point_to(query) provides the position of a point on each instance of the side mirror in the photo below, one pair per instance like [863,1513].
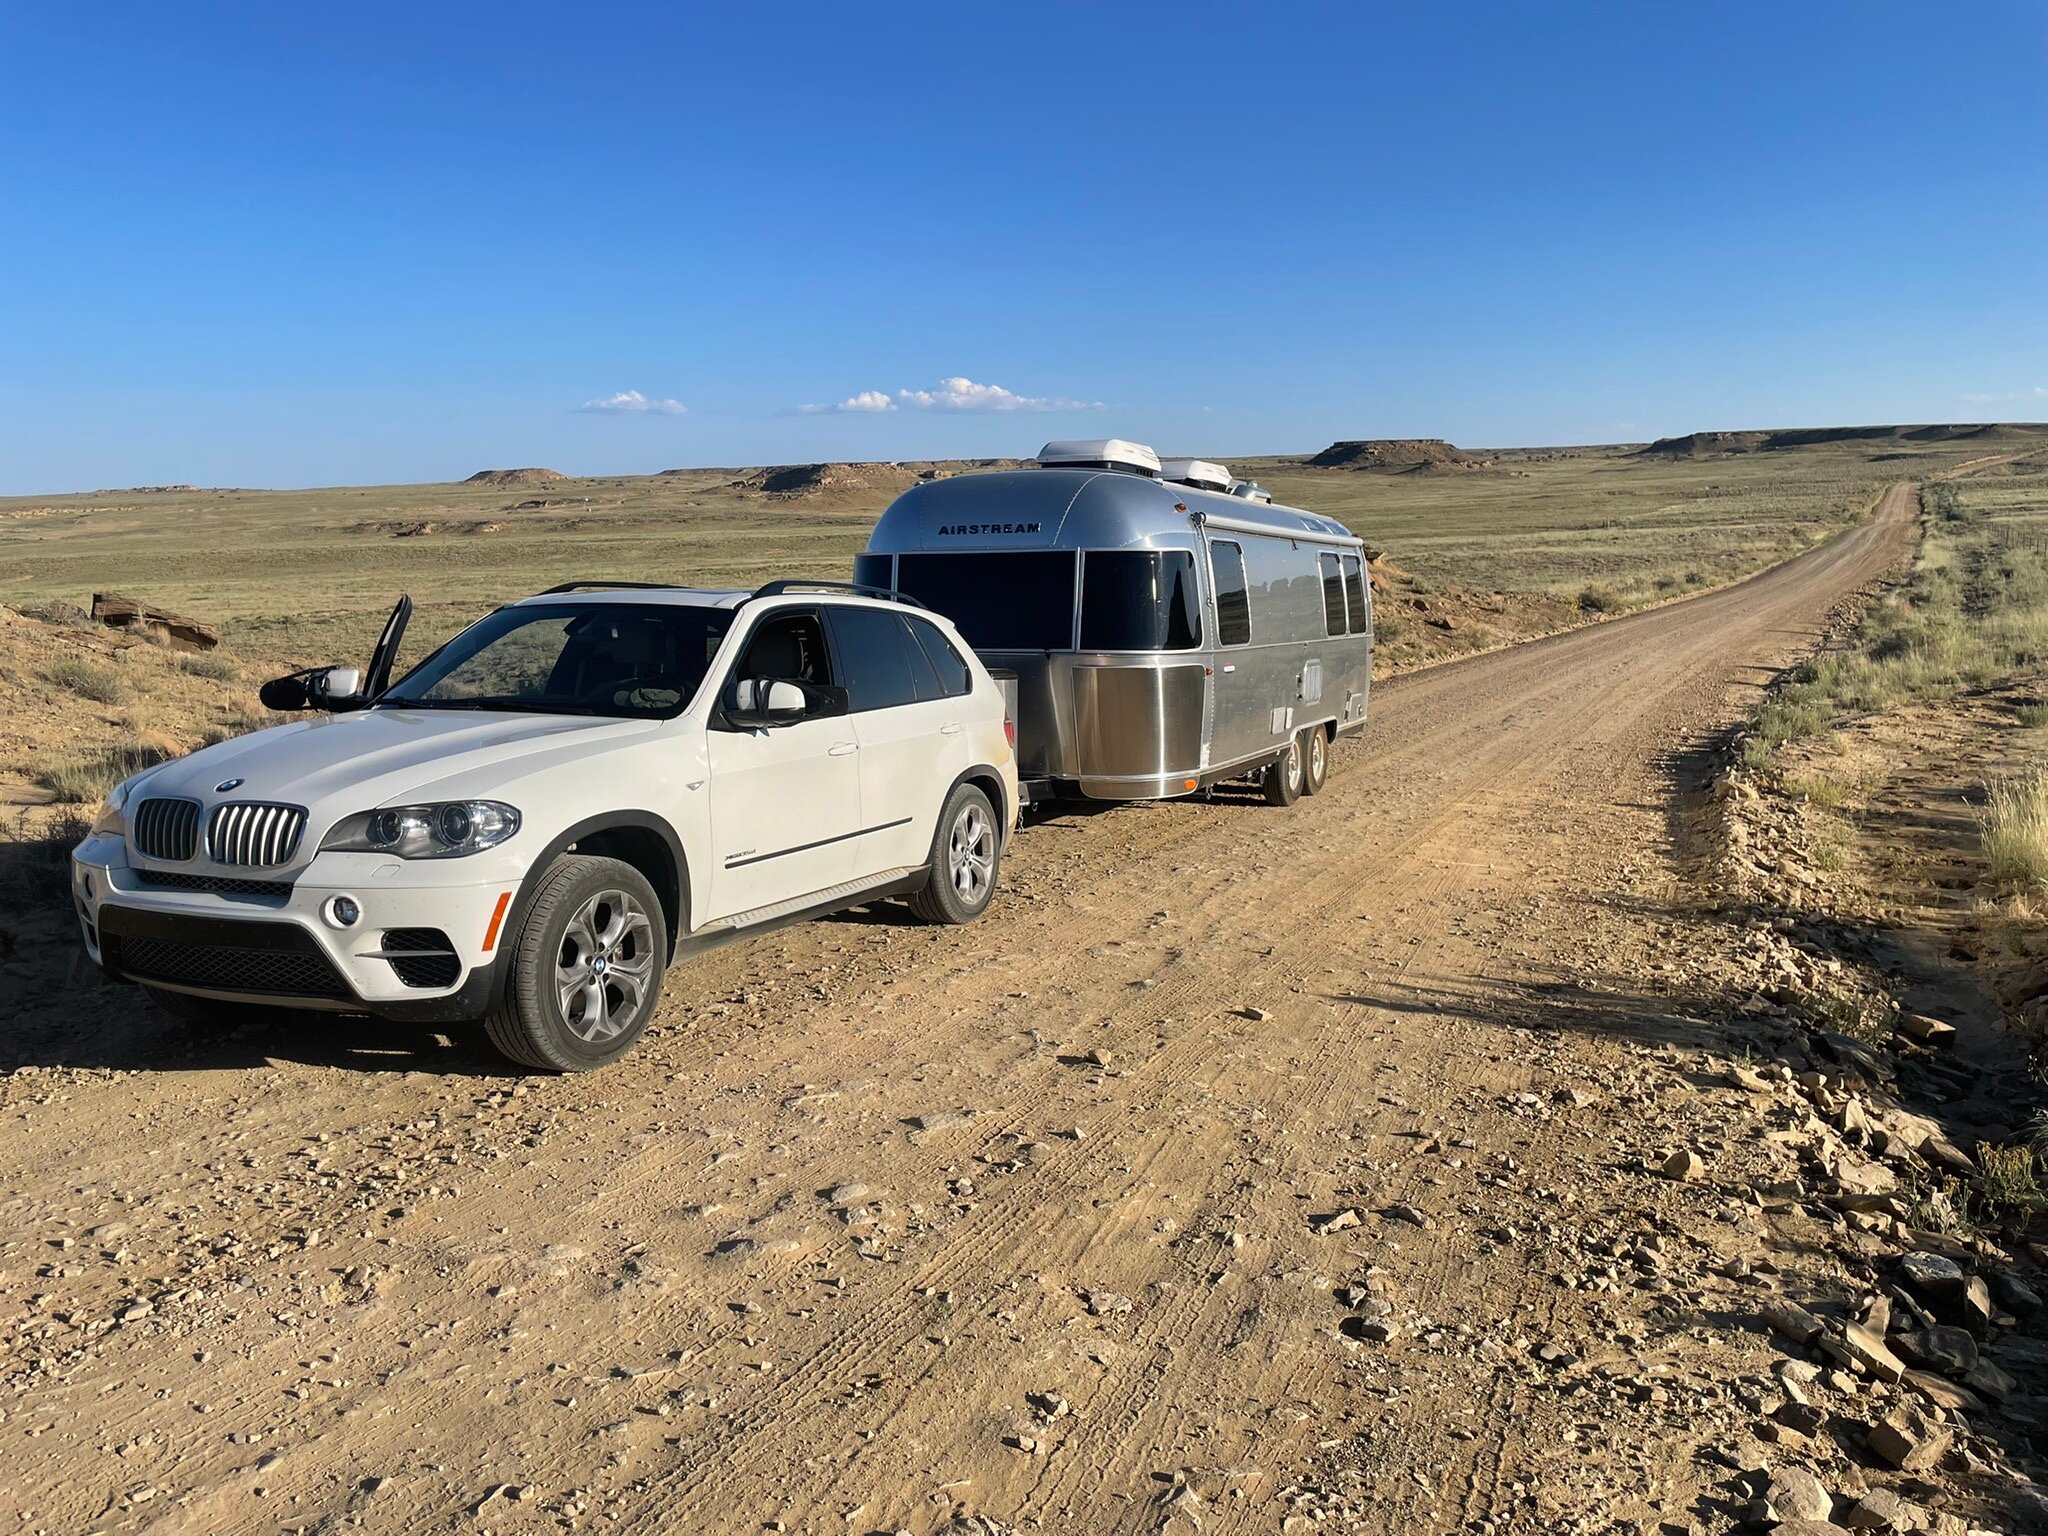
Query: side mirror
[330,688]
[760,703]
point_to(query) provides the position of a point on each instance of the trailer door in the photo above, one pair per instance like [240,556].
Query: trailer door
[1235,688]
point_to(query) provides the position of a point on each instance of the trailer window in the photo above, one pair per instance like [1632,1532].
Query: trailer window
[1334,617]
[873,571]
[1139,600]
[1354,595]
[1233,594]
[999,602]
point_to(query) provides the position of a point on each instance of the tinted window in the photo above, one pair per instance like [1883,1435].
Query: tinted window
[874,658]
[1334,616]
[999,602]
[873,570]
[1354,593]
[1233,598]
[595,658]
[947,664]
[1139,600]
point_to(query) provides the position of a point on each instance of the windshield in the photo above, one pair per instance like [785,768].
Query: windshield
[634,660]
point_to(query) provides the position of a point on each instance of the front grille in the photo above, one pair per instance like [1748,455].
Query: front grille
[281,972]
[422,957]
[253,834]
[222,885]
[167,829]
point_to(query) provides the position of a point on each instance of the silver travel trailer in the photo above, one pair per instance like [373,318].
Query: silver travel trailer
[1169,627]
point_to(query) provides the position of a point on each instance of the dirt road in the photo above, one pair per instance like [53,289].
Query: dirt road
[883,1223]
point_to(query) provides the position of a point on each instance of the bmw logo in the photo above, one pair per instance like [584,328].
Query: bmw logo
[227,784]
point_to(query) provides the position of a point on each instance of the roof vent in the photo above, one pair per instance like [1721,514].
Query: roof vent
[1199,473]
[1101,453]
[1251,490]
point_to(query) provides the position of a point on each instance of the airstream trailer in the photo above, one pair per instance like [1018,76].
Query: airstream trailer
[1168,626]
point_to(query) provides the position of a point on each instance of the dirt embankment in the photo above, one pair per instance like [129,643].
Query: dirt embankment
[1403,455]
[516,477]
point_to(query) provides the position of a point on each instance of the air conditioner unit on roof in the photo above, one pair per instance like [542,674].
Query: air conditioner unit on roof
[1100,453]
[1196,472]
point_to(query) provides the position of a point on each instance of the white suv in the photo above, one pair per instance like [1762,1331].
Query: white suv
[573,793]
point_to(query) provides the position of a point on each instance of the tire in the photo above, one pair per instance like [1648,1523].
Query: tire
[210,1012]
[966,859]
[1283,779]
[1315,760]
[585,967]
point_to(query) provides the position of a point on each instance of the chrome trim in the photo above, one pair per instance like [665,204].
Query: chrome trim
[166,827]
[254,834]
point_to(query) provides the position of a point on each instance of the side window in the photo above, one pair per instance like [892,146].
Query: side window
[1354,594]
[953,677]
[1335,618]
[1233,595]
[788,648]
[874,654]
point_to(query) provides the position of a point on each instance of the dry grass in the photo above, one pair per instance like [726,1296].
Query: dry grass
[1974,612]
[87,780]
[35,860]
[2008,1182]
[2012,831]
[96,680]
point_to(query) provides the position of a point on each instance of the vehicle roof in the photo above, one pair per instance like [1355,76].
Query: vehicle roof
[1054,508]
[717,597]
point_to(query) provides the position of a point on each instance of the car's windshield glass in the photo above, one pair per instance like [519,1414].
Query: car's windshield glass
[636,660]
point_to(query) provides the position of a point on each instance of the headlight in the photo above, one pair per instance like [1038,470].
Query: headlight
[446,830]
[112,819]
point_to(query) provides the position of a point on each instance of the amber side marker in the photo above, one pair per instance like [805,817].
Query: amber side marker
[497,917]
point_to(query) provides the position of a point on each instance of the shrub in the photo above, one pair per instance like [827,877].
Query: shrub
[212,666]
[2032,716]
[89,679]
[2012,829]
[35,859]
[2008,1182]
[85,780]
[1599,600]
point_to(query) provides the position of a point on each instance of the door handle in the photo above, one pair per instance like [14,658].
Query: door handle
[952,729]
[844,748]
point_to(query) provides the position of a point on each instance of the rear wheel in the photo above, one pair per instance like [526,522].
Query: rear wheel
[1315,759]
[586,967]
[1282,779]
[967,853]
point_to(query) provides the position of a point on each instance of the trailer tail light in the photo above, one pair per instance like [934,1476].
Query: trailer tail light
[1010,732]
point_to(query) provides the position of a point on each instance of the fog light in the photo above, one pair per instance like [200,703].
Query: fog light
[344,911]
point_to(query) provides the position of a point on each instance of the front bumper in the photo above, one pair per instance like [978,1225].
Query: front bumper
[280,947]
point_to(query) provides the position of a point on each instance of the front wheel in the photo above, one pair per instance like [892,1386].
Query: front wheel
[586,967]
[1315,759]
[967,853]
[1283,779]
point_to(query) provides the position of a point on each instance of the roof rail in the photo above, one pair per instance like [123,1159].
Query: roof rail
[579,586]
[886,594]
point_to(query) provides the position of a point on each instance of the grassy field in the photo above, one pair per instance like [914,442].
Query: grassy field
[1541,539]
[1973,612]
[306,575]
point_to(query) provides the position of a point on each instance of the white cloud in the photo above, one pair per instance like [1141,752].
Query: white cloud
[955,394]
[630,402]
[2038,392]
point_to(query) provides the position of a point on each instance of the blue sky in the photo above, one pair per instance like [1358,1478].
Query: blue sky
[280,245]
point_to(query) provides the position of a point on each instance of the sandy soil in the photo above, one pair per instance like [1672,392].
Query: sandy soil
[884,1223]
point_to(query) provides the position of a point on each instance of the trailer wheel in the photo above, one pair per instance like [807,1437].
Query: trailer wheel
[1283,777]
[1315,759]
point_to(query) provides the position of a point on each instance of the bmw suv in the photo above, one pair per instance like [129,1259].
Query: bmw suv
[572,794]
